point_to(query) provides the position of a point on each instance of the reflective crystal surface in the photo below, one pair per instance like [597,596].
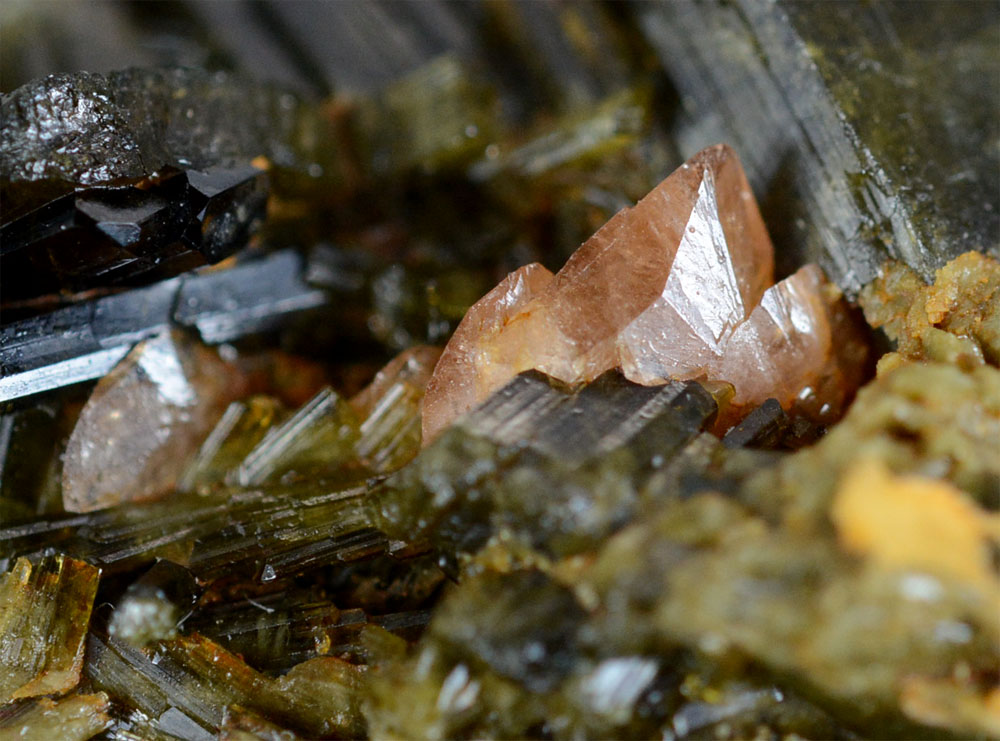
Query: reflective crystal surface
[143,421]
[147,230]
[677,287]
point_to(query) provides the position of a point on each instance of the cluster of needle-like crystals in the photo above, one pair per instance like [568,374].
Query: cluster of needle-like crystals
[678,287]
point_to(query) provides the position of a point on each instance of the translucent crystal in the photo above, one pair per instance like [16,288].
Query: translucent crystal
[73,718]
[44,614]
[460,381]
[319,437]
[143,421]
[390,409]
[188,682]
[674,288]
[241,427]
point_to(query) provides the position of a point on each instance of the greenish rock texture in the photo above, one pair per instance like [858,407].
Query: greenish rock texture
[868,131]
[254,540]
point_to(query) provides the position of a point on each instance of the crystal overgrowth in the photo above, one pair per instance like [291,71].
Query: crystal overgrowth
[676,287]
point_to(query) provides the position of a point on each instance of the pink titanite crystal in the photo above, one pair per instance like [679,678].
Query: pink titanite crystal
[465,373]
[143,422]
[676,287]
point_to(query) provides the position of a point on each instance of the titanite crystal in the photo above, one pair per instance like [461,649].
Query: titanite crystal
[675,288]
[143,421]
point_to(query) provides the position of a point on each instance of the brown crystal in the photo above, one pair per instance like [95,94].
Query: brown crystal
[143,421]
[676,287]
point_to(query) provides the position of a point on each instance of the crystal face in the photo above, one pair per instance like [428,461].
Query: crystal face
[151,411]
[151,229]
[678,287]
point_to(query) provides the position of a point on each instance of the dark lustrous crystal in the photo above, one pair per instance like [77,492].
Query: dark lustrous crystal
[112,235]
[86,128]
[230,204]
[765,427]
[85,340]
[555,467]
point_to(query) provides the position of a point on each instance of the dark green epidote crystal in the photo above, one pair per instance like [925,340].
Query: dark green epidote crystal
[868,130]
[106,236]
[557,468]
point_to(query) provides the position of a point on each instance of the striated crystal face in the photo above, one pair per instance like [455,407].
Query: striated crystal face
[678,287]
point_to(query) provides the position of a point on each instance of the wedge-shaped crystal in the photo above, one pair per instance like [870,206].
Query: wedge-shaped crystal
[237,432]
[44,614]
[461,379]
[318,438]
[390,409]
[143,421]
[675,288]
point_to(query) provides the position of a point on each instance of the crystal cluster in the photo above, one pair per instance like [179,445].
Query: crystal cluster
[677,287]
[632,499]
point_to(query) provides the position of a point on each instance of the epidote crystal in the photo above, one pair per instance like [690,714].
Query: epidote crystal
[674,288]
[153,228]
[44,614]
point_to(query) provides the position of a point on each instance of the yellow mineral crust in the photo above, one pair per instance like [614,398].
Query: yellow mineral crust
[955,320]
[916,523]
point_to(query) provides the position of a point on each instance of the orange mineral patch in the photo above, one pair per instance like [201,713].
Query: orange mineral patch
[913,522]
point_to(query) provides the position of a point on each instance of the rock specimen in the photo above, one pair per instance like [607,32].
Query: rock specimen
[565,561]
[674,288]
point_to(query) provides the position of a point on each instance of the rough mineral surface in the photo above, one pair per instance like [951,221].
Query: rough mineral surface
[954,320]
[676,287]
[73,718]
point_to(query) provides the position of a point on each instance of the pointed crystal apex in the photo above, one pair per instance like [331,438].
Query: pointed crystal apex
[674,288]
